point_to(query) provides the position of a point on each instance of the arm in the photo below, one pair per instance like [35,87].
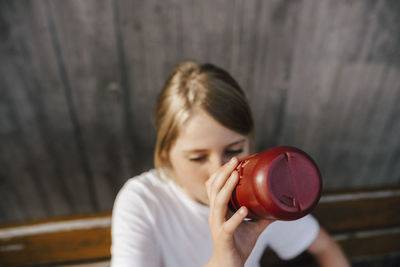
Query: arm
[327,251]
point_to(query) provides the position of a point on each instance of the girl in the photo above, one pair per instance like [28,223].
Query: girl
[177,214]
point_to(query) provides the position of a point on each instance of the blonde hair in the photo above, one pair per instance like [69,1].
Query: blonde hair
[192,86]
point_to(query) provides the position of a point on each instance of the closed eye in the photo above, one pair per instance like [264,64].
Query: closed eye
[234,152]
[229,153]
[201,158]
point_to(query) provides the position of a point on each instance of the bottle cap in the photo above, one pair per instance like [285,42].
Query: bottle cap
[281,183]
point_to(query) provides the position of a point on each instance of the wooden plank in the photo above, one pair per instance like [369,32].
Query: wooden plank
[271,72]
[362,100]
[355,248]
[72,240]
[79,80]
[56,220]
[323,73]
[332,92]
[140,31]
[301,92]
[368,246]
[69,246]
[362,166]
[359,211]
[365,223]
[34,139]
[101,263]
[94,245]
[92,74]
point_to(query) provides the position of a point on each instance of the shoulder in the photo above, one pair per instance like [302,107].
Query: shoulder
[302,224]
[134,217]
[303,228]
[145,185]
[289,238]
[147,179]
[140,192]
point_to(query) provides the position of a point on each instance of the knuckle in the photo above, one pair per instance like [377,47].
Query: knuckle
[226,229]
[233,179]
[221,198]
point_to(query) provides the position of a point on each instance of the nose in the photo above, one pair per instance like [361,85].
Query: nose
[215,163]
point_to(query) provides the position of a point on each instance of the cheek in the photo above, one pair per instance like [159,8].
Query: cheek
[193,174]
[189,175]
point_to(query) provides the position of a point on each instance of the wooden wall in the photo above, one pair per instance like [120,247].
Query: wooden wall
[78,82]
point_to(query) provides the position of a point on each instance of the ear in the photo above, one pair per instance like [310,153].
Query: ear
[165,156]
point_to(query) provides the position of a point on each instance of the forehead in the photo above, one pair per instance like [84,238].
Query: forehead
[202,131]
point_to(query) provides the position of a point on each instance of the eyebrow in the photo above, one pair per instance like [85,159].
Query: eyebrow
[202,150]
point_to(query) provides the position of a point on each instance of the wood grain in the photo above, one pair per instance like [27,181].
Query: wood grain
[364,228]
[79,80]
[352,215]
[355,248]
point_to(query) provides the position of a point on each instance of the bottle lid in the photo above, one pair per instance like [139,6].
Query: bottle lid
[294,183]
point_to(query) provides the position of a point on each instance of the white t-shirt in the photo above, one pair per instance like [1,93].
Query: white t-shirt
[155,223]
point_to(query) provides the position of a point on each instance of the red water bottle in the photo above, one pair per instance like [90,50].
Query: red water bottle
[281,183]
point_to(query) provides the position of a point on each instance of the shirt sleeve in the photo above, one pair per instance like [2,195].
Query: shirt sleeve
[290,238]
[133,241]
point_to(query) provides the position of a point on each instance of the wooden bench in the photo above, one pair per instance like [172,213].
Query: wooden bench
[365,222]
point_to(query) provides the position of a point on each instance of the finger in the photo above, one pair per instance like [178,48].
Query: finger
[221,177]
[209,183]
[233,223]
[223,197]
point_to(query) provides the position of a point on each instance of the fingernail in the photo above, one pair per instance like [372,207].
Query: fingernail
[233,160]
[242,210]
